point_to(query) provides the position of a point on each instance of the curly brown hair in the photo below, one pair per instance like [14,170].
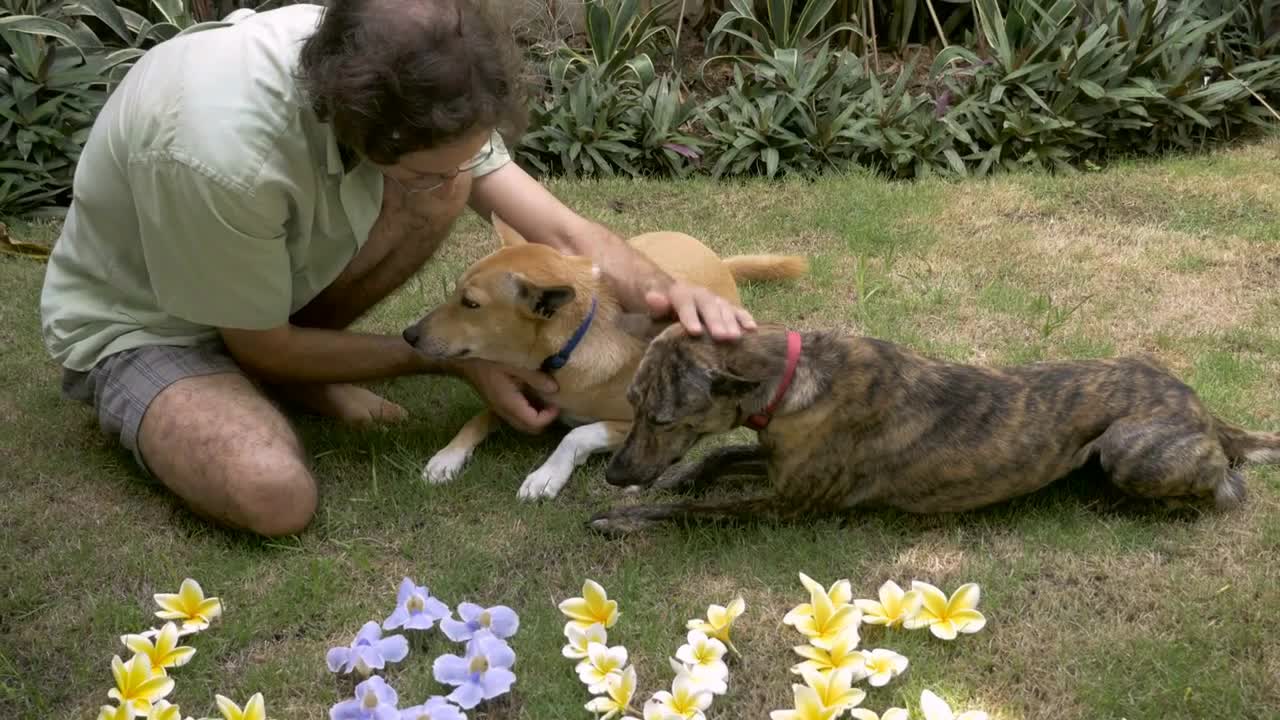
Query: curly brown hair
[399,76]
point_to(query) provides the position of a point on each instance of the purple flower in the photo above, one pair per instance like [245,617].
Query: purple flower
[500,620]
[437,708]
[415,608]
[484,673]
[368,652]
[374,700]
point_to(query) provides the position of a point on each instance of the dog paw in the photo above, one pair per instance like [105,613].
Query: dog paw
[445,465]
[617,523]
[545,482]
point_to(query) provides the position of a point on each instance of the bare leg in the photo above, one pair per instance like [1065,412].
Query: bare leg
[696,475]
[221,446]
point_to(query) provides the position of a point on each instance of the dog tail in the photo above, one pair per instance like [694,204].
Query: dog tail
[767,267]
[1245,446]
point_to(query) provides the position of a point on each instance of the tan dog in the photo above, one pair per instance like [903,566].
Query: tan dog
[528,305]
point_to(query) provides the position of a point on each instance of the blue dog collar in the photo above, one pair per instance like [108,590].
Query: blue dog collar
[560,359]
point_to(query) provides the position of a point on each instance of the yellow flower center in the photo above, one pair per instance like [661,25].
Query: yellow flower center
[362,667]
[485,619]
[416,603]
[370,700]
[877,665]
[478,664]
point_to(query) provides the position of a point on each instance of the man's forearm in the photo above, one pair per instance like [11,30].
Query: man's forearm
[629,272]
[311,356]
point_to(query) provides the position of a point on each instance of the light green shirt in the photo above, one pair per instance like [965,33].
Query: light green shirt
[208,195]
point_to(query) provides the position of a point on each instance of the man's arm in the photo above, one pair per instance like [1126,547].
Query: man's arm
[524,204]
[298,355]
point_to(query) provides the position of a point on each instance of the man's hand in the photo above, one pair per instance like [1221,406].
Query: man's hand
[696,306]
[502,388]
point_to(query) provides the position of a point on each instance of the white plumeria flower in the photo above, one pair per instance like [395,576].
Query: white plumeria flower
[704,677]
[601,662]
[879,666]
[890,714]
[620,688]
[945,617]
[935,708]
[704,657]
[687,700]
[580,637]
[893,608]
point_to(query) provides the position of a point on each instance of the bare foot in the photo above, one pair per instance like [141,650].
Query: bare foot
[349,403]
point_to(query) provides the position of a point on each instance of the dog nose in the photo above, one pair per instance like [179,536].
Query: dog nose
[410,335]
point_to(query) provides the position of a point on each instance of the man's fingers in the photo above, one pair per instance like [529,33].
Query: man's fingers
[745,319]
[540,381]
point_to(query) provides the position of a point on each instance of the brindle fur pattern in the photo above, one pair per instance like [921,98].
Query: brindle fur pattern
[867,423]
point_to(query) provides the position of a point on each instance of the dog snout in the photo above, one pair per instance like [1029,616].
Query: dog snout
[620,473]
[411,335]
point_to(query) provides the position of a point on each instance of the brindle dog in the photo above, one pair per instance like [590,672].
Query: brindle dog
[865,423]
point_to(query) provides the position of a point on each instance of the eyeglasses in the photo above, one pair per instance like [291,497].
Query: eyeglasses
[426,182]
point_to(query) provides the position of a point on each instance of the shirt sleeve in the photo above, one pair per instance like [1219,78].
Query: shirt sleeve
[215,255]
[499,157]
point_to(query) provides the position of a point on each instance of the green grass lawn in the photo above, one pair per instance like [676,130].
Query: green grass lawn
[1093,611]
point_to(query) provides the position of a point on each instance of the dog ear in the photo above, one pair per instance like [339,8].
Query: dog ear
[726,384]
[506,233]
[641,326]
[538,301]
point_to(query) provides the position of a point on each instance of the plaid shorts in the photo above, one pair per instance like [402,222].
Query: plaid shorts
[121,386]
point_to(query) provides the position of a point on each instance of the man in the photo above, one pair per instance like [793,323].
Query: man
[248,192]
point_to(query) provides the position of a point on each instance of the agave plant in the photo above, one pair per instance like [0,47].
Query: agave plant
[55,74]
[618,38]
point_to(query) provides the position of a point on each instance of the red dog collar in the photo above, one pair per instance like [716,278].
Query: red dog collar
[760,420]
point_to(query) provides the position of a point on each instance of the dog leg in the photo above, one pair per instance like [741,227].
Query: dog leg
[731,460]
[623,520]
[1167,459]
[445,464]
[578,445]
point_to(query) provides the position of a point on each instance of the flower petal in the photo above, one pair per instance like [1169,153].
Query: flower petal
[455,630]
[498,652]
[396,619]
[497,681]
[933,600]
[964,598]
[256,708]
[229,709]
[347,710]
[943,630]
[450,670]
[407,586]
[467,695]
[503,621]
[934,707]
[968,621]
[337,658]
[369,632]
[394,648]
[181,656]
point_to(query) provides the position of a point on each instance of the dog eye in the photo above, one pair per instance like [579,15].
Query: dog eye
[469,303]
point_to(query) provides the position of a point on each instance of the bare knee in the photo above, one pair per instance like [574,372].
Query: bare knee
[218,444]
[272,493]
